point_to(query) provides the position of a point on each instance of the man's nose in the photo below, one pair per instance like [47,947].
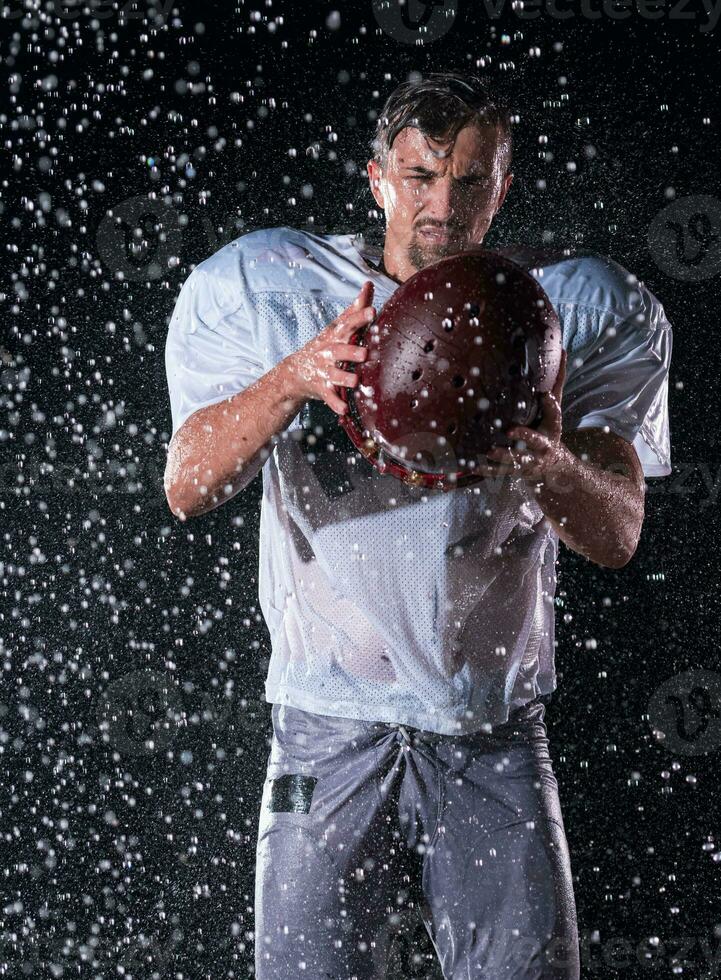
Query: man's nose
[444,201]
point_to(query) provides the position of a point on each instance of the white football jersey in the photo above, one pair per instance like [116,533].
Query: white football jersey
[387,602]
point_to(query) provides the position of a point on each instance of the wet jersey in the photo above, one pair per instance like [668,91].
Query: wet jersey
[387,602]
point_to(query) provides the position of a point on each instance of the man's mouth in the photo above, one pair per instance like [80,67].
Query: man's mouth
[436,235]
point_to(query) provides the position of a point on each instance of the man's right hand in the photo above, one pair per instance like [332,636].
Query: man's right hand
[313,372]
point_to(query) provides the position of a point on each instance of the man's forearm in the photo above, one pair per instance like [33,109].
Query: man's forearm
[220,449]
[596,512]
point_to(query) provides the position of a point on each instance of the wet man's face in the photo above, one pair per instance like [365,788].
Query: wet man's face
[439,197]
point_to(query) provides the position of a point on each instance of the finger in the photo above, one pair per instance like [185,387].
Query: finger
[521,432]
[357,317]
[345,378]
[550,414]
[551,408]
[349,352]
[365,294]
[333,397]
[558,386]
[526,466]
[359,355]
[491,470]
[521,454]
[497,448]
[499,452]
[531,437]
[336,403]
[348,322]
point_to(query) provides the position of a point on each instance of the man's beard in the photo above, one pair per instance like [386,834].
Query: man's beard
[420,255]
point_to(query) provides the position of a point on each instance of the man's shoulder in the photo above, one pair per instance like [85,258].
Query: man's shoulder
[279,242]
[601,281]
[278,258]
[580,277]
[229,257]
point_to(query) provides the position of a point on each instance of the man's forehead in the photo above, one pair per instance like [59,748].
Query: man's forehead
[411,144]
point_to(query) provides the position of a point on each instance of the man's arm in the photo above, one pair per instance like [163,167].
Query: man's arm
[595,500]
[220,448]
[594,496]
[588,482]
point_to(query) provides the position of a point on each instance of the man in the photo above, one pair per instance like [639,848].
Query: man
[412,630]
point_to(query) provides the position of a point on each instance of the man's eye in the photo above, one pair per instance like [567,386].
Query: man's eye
[470,180]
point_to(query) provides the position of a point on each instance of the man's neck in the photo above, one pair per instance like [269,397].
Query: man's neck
[382,268]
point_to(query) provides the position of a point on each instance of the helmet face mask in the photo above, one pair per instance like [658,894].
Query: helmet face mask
[458,355]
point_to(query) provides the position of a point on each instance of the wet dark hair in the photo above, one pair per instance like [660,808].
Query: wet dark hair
[440,104]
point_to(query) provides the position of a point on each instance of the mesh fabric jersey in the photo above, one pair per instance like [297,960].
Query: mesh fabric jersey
[387,602]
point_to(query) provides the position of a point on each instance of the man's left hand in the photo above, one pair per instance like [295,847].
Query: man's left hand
[537,450]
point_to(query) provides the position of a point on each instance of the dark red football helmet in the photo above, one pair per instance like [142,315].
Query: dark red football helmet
[458,355]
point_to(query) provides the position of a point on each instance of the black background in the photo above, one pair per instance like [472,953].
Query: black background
[120,624]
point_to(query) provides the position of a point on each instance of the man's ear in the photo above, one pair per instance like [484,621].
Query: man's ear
[374,176]
[505,187]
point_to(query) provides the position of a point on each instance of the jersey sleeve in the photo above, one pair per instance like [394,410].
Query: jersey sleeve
[210,352]
[620,379]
